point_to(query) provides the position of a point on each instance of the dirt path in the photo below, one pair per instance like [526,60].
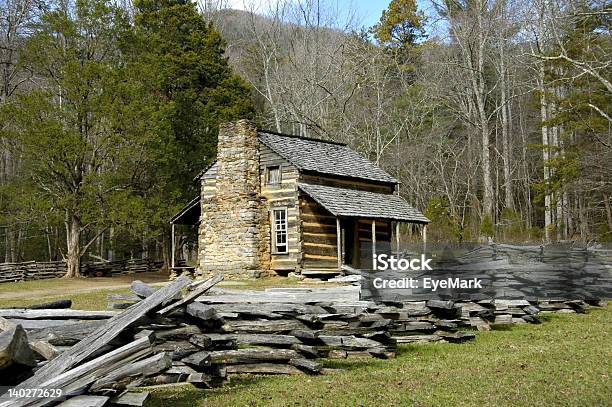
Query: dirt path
[58,287]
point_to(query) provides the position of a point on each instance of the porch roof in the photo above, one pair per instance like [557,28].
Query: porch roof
[189,215]
[363,204]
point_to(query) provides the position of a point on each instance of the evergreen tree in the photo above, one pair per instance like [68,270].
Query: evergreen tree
[182,58]
[81,151]
[179,58]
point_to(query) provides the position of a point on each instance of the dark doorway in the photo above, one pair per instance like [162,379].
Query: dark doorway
[350,243]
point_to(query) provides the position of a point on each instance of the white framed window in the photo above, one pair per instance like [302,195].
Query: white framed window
[279,231]
[273,175]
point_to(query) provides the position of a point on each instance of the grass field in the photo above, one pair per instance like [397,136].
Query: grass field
[90,293]
[567,361]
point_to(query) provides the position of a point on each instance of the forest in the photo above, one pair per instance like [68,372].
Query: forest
[495,115]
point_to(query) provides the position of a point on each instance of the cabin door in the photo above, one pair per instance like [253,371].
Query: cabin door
[350,243]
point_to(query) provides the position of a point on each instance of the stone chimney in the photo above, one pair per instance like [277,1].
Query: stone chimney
[232,229]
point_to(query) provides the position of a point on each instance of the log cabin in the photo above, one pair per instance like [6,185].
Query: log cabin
[276,203]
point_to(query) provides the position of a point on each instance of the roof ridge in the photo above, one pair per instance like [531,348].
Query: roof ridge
[275,133]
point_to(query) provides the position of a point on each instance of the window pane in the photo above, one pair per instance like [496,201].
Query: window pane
[273,175]
[280,230]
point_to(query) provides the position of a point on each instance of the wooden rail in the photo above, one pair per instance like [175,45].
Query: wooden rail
[33,270]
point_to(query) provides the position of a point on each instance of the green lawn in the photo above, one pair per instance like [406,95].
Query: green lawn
[90,293]
[567,361]
[564,362]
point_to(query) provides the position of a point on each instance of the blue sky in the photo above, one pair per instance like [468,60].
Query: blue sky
[368,12]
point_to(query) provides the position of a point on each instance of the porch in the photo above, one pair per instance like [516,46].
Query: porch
[355,224]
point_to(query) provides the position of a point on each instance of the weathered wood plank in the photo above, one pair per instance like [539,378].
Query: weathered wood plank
[182,333]
[36,324]
[201,311]
[251,355]
[6,324]
[59,304]
[262,326]
[141,289]
[75,380]
[307,365]
[256,339]
[24,313]
[348,342]
[85,401]
[200,290]
[198,359]
[131,399]
[45,349]
[104,334]
[142,368]
[14,348]
[66,335]
[264,368]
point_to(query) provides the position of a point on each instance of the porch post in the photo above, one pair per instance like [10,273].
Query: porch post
[339,243]
[172,246]
[397,238]
[424,233]
[374,244]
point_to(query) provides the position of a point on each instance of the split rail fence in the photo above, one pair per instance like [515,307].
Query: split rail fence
[34,270]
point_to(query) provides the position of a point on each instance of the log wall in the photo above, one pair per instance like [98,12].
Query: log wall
[319,234]
[283,195]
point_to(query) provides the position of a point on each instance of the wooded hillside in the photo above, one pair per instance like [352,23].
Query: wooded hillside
[494,114]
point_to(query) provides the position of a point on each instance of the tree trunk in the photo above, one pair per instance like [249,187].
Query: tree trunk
[505,122]
[73,243]
[606,200]
[545,156]
[111,244]
[12,244]
[165,248]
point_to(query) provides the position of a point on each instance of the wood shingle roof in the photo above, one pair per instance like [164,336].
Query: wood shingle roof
[324,157]
[363,204]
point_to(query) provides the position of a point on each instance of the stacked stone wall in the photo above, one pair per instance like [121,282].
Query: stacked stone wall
[234,235]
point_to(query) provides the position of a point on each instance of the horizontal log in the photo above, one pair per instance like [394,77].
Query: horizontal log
[182,333]
[24,313]
[251,355]
[131,399]
[66,335]
[59,304]
[256,339]
[274,308]
[178,349]
[263,326]
[198,360]
[310,352]
[306,365]
[264,368]
[348,342]
[85,401]
[34,324]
